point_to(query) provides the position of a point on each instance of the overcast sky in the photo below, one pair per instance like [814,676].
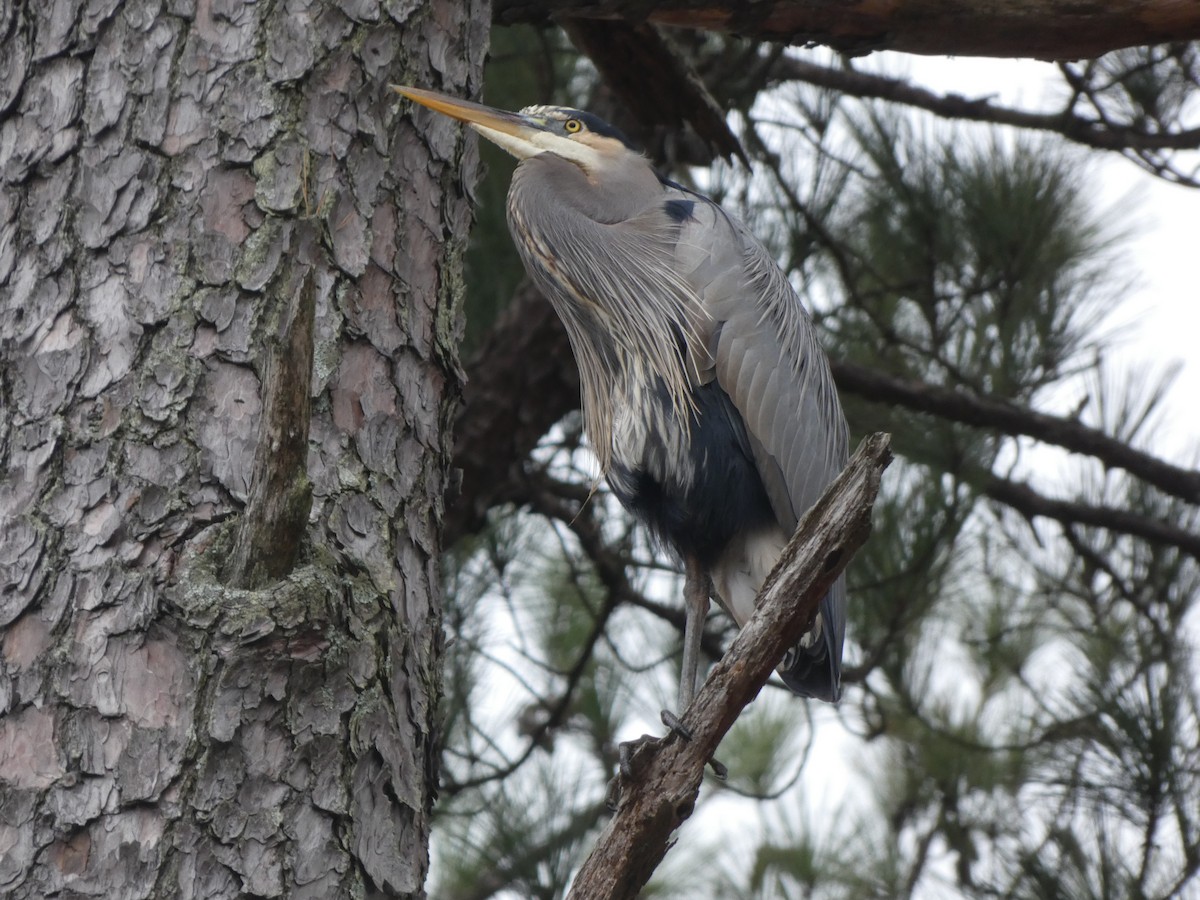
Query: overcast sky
[1162,314]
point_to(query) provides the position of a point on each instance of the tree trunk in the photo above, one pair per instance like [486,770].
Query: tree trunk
[229,277]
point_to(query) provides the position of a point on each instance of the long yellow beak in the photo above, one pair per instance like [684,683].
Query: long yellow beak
[466,111]
[521,135]
[520,131]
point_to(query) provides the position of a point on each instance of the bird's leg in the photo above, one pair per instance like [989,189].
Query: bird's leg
[696,591]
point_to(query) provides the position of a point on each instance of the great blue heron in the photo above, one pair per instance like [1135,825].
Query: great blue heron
[706,396]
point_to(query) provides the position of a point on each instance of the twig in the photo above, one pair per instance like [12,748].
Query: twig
[669,772]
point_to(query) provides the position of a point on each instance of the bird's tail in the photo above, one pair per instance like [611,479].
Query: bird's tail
[813,668]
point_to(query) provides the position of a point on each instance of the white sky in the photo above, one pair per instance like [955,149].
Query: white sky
[1163,312]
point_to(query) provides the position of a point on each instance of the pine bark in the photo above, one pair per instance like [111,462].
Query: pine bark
[219,583]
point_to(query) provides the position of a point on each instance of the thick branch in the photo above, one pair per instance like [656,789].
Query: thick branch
[987,412]
[1045,29]
[669,773]
[1088,132]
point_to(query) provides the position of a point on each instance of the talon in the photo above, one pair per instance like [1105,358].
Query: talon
[612,795]
[676,725]
[627,750]
[625,759]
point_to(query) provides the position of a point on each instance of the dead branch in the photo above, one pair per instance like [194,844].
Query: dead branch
[668,773]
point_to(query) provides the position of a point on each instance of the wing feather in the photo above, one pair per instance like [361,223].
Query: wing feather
[690,268]
[767,359]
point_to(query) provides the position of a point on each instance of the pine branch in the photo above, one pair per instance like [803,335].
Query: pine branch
[1030,504]
[669,772]
[1089,132]
[549,497]
[509,869]
[611,572]
[1007,418]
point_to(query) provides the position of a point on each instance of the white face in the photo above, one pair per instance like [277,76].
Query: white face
[534,142]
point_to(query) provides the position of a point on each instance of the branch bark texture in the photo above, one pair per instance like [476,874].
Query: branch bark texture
[1044,29]
[668,773]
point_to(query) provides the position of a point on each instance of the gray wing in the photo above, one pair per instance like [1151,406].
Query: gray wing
[766,357]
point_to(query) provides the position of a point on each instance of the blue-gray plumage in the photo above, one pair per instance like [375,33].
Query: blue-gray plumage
[706,397]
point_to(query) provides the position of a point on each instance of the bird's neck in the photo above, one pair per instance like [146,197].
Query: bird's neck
[606,194]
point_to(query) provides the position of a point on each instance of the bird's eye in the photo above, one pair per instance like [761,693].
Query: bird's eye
[573,126]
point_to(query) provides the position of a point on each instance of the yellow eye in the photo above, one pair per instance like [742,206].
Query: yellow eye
[572,126]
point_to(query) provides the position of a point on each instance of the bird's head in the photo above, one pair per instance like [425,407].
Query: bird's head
[584,139]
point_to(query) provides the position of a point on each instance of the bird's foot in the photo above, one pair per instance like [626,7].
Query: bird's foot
[677,727]
[675,723]
[630,753]
[632,756]
[631,759]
